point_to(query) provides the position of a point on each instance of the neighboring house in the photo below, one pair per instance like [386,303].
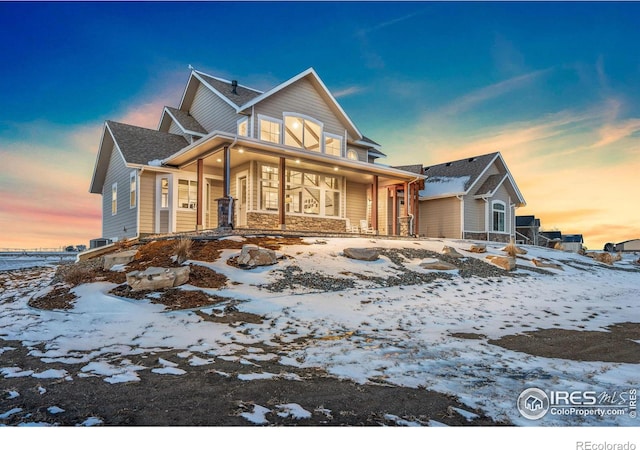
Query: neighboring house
[233,156]
[549,238]
[572,242]
[527,230]
[632,245]
[472,198]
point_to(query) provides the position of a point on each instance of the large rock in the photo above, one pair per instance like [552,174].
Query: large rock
[113,259]
[361,254]
[545,264]
[254,256]
[478,248]
[451,252]
[154,278]
[515,249]
[505,262]
[435,264]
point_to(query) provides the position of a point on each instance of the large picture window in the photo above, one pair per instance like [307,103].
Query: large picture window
[499,216]
[303,133]
[305,192]
[187,194]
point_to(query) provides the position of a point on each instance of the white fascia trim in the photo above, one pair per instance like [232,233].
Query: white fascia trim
[115,143]
[483,172]
[186,88]
[215,91]
[296,78]
[95,167]
[223,80]
[437,197]
[492,193]
[214,134]
[515,188]
[177,122]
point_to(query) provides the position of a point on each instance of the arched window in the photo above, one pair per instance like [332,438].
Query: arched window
[499,216]
[352,154]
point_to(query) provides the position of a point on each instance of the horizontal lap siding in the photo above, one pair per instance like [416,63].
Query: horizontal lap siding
[147,202]
[474,214]
[300,97]
[440,218]
[126,218]
[356,202]
[185,221]
[175,129]
[214,194]
[212,112]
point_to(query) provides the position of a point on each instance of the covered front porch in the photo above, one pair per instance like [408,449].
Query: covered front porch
[259,186]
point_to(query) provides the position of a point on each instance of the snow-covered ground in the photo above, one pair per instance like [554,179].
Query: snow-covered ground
[398,335]
[14,262]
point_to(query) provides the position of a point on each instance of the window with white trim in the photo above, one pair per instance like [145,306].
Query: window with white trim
[187,194]
[499,216]
[243,126]
[352,155]
[302,132]
[114,199]
[269,129]
[268,188]
[332,144]
[133,184]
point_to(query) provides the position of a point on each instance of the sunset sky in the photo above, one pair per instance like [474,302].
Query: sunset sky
[554,86]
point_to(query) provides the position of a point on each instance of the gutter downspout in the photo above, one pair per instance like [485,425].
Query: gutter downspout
[461,198]
[486,216]
[138,202]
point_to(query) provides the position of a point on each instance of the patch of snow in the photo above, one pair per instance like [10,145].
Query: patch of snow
[12,394]
[256,376]
[166,363]
[6,349]
[184,354]
[55,410]
[294,411]
[221,373]
[197,361]
[169,371]
[233,238]
[435,423]
[41,390]
[9,413]
[441,186]
[91,422]
[466,414]
[402,422]
[35,424]
[257,416]
[15,372]
[51,373]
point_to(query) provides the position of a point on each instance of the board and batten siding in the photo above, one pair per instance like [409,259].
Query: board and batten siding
[302,98]
[440,218]
[212,112]
[147,202]
[114,226]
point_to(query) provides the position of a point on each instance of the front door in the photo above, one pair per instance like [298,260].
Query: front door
[242,199]
[163,203]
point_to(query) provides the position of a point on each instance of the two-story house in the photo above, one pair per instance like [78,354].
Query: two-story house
[233,156]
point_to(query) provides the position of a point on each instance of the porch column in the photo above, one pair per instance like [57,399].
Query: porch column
[394,210]
[226,176]
[199,197]
[374,203]
[281,188]
[416,209]
[406,198]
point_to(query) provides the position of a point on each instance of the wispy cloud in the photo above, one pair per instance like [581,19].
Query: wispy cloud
[345,92]
[474,98]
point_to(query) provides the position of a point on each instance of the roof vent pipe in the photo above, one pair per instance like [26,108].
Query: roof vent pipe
[234,85]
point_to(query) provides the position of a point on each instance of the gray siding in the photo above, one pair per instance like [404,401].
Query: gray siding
[440,218]
[147,202]
[175,129]
[212,112]
[113,226]
[302,98]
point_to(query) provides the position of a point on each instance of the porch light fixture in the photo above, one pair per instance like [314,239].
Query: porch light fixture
[219,160]
[240,150]
[335,168]
[297,161]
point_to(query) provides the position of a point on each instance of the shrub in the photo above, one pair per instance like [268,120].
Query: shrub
[183,249]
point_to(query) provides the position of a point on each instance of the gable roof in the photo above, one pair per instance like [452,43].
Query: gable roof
[460,177]
[185,121]
[140,145]
[224,89]
[527,221]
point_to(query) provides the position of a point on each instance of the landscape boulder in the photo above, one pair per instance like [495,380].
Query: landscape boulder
[154,278]
[515,249]
[539,263]
[505,262]
[436,264]
[451,252]
[478,248]
[113,259]
[361,254]
[254,256]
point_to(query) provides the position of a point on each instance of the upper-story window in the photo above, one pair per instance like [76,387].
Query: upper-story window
[269,129]
[332,144]
[302,132]
[352,154]
[243,127]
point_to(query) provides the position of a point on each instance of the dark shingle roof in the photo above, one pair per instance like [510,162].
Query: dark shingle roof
[552,235]
[490,184]
[243,95]
[141,145]
[572,238]
[468,167]
[525,221]
[415,168]
[187,121]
